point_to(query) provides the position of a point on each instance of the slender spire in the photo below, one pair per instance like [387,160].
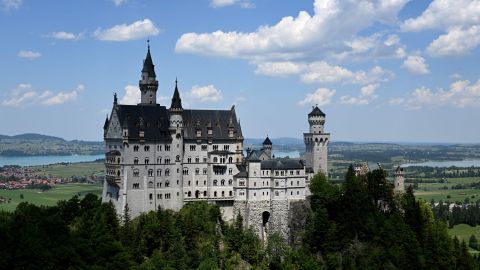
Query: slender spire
[148,65]
[115,98]
[176,100]
[105,126]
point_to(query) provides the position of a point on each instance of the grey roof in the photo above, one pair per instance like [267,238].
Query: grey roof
[242,171]
[105,126]
[218,120]
[254,155]
[282,164]
[153,120]
[148,65]
[316,112]
[176,100]
[267,141]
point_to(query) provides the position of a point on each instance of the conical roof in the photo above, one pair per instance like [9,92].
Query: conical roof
[267,141]
[148,65]
[176,100]
[316,112]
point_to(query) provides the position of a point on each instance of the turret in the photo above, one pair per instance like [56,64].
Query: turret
[267,147]
[148,83]
[316,119]
[176,110]
[399,180]
[316,142]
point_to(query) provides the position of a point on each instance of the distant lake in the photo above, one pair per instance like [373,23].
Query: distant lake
[45,160]
[292,154]
[458,163]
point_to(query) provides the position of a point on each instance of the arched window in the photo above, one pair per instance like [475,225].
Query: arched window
[167,183]
[215,182]
[189,194]
[215,194]
[215,160]
[230,193]
[159,172]
[230,160]
[150,184]
[118,173]
[205,193]
[147,160]
[230,181]
[136,173]
[150,172]
[222,182]
[223,193]
[135,160]
[159,160]
[177,159]
[167,172]
[151,196]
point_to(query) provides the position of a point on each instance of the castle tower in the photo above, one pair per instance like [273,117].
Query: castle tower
[399,180]
[316,142]
[267,147]
[148,84]
[176,132]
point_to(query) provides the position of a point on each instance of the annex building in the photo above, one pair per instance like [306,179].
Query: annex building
[166,157]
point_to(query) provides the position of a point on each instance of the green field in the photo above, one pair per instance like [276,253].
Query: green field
[73,169]
[435,191]
[463,233]
[59,192]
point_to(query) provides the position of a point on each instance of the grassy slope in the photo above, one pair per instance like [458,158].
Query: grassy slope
[430,191]
[59,192]
[464,231]
[74,169]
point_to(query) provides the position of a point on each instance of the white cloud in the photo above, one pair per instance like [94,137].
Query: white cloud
[125,32]
[416,65]
[132,95]
[457,41]
[460,94]
[12,4]
[224,3]
[279,68]
[204,94]
[24,95]
[332,24]
[322,72]
[119,2]
[29,54]
[445,14]
[66,35]
[367,94]
[321,96]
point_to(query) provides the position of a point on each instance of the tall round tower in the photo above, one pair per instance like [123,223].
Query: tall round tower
[399,180]
[148,84]
[316,142]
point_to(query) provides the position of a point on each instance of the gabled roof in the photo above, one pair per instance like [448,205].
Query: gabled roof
[316,112]
[216,120]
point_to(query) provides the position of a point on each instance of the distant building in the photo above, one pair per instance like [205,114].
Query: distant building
[399,180]
[166,157]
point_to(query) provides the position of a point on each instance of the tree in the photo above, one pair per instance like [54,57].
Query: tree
[472,242]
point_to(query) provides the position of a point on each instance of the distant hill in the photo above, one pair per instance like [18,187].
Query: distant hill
[35,136]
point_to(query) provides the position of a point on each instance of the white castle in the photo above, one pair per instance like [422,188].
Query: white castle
[159,157]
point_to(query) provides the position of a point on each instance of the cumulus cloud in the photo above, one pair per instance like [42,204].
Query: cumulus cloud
[460,19]
[66,35]
[204,94]
[323,72]
[29,54]
[119,2]
[458,41]
[24,95]
[132,95]
[125,32]
[415,65]
[367,94]
[12,4]
[321,96]
[460,94]
[331,25]
[224,3]
[279,68]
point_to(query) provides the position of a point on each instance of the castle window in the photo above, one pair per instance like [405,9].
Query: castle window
[223,193]
[147,160]
[276,183]
[282,173]
[205,171]
[135,148]
[291,172]
[197,171]
[159,185]
[291,183]
[185,171]
[146,148]
[167,147]
[159,196]
[255,194]
[177,158]
[196,183]
[189,160]
[214,194]
[215,160]
[226,147]
[167,196]
[230,160]
[205,193]
[298,172]
[230,193]
[298,183]
[215,182]
[188,183]
[254,184]
[193,147]
[135,160]
[136,173]
[222,182]
[276,173]
[197,160]
[159,148]
[204,160]
[189,194]
[167,160]
[215,147]
[230,181]
[167,183]
[150,172]
[298,192]
[230,171]
[204,147]
[151,196]
[159,160]
[276,193]
[136,185]
[167,172]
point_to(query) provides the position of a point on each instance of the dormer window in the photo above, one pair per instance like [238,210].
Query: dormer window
[199,133]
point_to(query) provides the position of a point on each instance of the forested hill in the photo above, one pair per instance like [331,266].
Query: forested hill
[357,225]
[32,144]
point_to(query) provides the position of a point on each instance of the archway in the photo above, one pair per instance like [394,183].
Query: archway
[265,219]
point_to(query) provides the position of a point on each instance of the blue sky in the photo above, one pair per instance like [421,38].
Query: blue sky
[390,70]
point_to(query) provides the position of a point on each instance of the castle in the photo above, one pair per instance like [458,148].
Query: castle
[167,157]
